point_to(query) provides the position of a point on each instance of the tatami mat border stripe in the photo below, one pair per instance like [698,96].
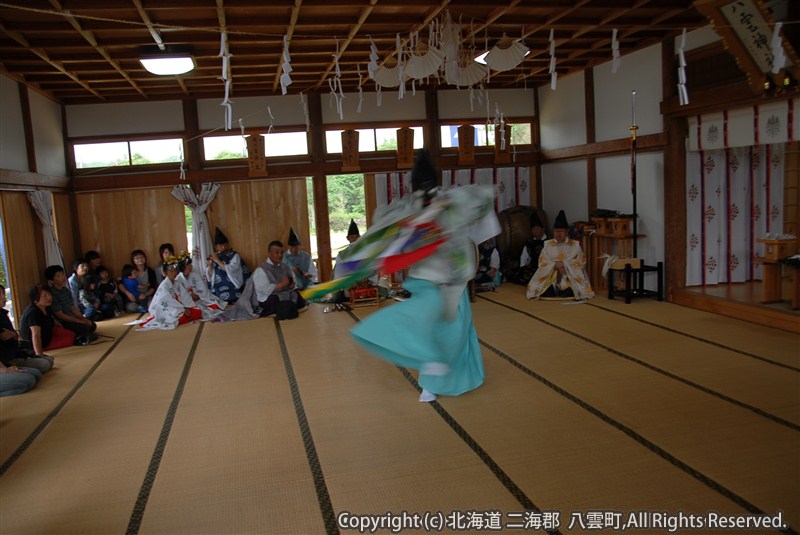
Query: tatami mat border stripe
[135,521]
[325,505]
[658,450]
[698,338]
[484,456]
[44,423]
[718,395]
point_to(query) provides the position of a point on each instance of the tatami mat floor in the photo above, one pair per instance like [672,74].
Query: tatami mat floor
[589,413]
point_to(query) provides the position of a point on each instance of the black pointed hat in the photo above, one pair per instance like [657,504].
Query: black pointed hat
[219,237]
[561,221]
[423,176]
[293,239]
[353,230]
[535,221]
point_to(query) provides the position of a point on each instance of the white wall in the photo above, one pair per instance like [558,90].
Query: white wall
[48,136]
[13,155]
[411,107]
[614,193]
[124,118]
[564,187]
[466,104]
[562,114]
[253,111]
[613,101]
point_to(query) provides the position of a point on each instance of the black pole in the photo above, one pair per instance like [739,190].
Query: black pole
[633,130]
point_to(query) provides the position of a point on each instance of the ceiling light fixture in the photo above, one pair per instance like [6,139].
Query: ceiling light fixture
[168,62]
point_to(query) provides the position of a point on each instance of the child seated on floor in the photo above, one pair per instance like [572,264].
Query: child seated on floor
[88,301]
[129,287]
[107,291]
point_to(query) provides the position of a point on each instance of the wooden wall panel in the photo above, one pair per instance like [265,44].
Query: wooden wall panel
[22,234]
[253,213]
[115,223]
[64,223]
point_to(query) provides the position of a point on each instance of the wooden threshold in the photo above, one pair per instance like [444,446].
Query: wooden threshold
[755,313]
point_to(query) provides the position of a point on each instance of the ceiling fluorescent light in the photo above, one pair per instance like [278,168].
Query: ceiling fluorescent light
[168,62]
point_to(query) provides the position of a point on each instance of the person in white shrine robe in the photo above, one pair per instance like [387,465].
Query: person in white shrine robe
[171,305]
[210,305]
[562,267]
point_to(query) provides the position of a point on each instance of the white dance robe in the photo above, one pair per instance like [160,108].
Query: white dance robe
[168,305]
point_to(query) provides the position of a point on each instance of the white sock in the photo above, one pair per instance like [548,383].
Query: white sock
[427,397]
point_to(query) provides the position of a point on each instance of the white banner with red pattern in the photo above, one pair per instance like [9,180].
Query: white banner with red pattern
[733,197]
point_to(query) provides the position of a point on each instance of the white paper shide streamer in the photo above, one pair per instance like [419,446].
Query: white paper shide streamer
[683,94]
[286,67]
[335,83]
[226,102]
[615,61]
[778,56]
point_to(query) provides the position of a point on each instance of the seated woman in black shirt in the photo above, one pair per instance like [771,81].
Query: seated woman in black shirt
[39,326]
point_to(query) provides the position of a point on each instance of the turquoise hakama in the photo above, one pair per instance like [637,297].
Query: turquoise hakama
[416,334]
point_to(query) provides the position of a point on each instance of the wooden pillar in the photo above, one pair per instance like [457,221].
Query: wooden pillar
[316,144]
[591,161]
[536,144]
[27,127]
[674,181]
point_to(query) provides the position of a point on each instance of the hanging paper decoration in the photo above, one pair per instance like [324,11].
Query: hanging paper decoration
[778,56]
[614,52]
[451,46]
[388,74]
[183,170]
[506,54]
[683,95]
[400,68]
[286,80]
[499,119]
[425,61]
[226,102]
[372,66]
[335,83]
[271,120]
[360,90]
[552,70]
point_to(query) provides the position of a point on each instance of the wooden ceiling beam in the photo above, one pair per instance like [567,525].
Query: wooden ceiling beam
[289,35]
[19,38]
[90,38]
[353,31]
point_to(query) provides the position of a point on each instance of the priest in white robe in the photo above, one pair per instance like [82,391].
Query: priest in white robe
[562,267]
[270,290]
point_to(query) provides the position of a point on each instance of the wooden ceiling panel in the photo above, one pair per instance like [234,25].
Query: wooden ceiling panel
[87,51]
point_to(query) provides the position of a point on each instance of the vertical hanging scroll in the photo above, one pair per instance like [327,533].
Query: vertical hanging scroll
[466,145]
[256,156]
[350,151]
[405,148]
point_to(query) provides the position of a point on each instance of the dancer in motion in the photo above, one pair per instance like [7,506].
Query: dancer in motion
[435,233]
